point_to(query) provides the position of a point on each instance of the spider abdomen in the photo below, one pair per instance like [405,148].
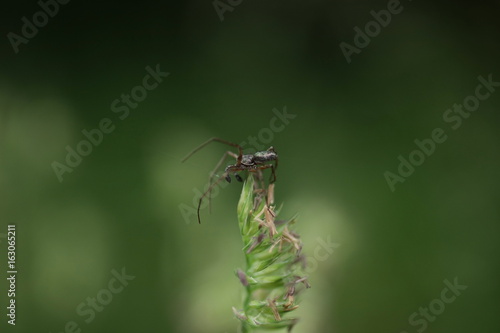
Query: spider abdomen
[265,156]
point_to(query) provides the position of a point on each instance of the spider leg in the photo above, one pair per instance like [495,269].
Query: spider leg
[212,175]
[225,175]
[234,168]
[273,167]
[240,150]
[209,190]
[269,194]
[259,176]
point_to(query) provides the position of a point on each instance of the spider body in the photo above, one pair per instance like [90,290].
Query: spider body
[244,162]
[252,163]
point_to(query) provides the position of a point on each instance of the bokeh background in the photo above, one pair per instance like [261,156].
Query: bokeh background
[120,207]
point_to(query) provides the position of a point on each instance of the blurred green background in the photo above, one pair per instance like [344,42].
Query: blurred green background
[120,207]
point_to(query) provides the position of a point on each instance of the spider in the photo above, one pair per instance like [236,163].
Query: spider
[250,162]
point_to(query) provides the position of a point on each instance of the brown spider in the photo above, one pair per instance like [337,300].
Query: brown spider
[250,162]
